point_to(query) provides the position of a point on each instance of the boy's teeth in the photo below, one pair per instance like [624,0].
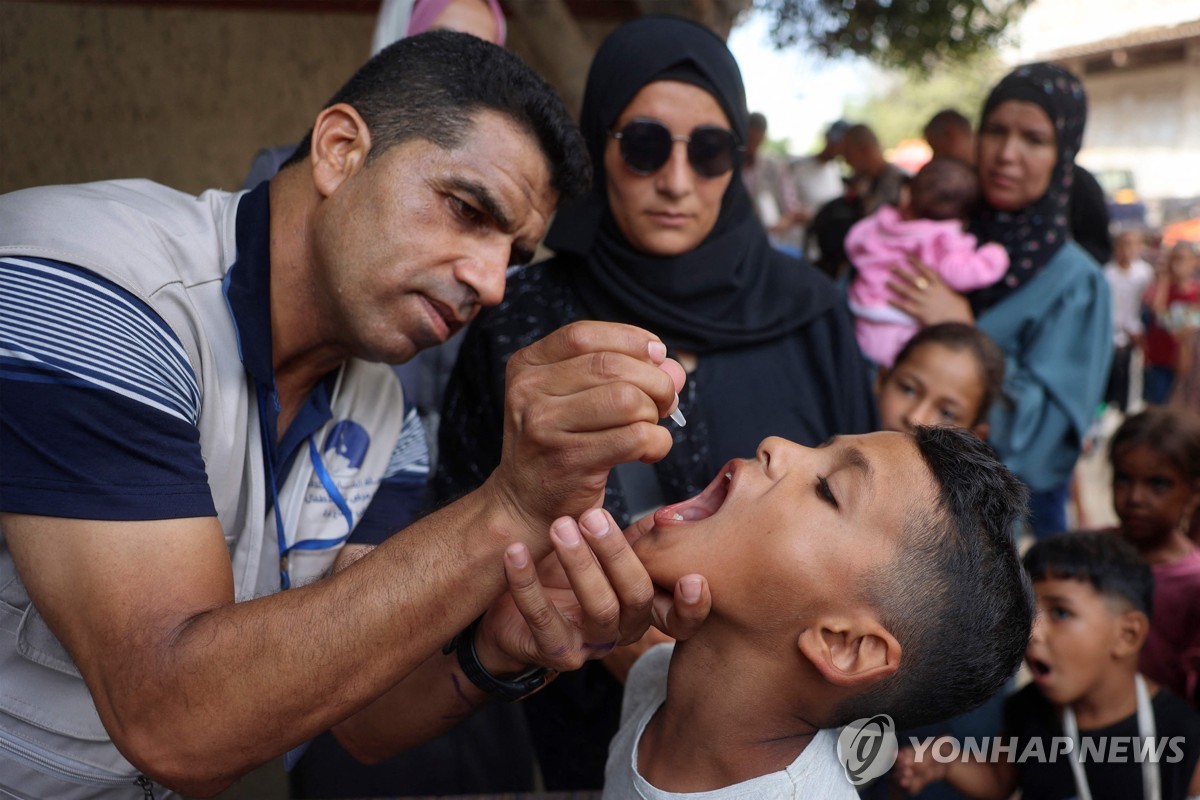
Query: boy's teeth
[677,516]
[728,476]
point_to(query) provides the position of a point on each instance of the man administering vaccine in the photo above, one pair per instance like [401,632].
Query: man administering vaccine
[200,446]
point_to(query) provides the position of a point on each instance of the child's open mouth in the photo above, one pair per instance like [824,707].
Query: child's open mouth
[1040,669]
[703,505]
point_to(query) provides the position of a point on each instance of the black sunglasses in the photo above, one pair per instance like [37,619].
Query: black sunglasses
[646,146]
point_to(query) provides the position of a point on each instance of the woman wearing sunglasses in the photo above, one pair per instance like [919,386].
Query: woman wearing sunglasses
[667,240]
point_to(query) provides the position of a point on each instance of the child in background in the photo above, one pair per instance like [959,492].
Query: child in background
[947,374]
[1174,303]
[882,580]
[930,226]
[1094,599]
[1155,459]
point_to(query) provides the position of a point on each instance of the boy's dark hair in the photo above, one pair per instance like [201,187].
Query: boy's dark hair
[959,336]
[945,188]
[955,596]
[1101,558]
[1172,433]
[432,85]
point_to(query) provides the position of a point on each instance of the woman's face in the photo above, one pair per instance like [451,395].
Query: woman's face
[671,211]
[1017,153]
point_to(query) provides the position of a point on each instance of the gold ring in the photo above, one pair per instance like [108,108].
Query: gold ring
[922,283]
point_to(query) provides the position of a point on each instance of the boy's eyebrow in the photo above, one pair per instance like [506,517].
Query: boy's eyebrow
[851,456]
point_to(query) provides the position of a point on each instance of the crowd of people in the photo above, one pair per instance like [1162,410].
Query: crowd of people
[750,457]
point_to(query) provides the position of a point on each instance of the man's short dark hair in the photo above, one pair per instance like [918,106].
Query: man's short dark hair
[757,121]
[1103,559]
[431,87]
[961,337]
[955,596]
[948,119]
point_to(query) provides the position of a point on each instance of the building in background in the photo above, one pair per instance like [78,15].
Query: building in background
[1140,64]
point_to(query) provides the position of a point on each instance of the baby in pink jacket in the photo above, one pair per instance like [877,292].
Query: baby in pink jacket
[930,224]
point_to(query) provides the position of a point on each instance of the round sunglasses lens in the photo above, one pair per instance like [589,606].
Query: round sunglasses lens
[711,151]
[645,146]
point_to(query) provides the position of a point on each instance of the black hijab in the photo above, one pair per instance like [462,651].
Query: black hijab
[733,288]
[1034,234]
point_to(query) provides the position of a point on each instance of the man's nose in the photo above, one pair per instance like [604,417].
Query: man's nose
[485,273]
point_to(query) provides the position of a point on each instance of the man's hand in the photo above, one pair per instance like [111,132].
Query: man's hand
[586,598]
[679,614]
[580,401]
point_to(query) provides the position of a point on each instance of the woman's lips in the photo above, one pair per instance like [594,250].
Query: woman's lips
[670,219]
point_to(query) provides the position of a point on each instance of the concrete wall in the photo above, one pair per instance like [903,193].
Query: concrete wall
[184,96]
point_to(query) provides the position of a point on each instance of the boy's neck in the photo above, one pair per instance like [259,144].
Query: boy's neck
[725,720]
[1113,699]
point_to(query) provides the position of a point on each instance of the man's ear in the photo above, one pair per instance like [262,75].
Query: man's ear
[851,653]
[980,429]
[1130,629]
[340,144]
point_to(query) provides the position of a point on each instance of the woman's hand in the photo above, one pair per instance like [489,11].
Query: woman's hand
[922,294]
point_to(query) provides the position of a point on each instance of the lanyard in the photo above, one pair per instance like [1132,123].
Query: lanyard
[1151,780]
[327,482]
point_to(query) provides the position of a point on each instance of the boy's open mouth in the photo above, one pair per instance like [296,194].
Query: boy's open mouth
[703,505]
[1039,668]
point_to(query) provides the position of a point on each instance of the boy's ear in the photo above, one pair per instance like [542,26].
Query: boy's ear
[851,652]
[1130,629]
[340,143]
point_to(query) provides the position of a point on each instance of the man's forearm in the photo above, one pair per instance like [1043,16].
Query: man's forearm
[197,689]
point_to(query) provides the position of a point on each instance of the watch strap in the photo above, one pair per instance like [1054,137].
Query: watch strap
[507,689]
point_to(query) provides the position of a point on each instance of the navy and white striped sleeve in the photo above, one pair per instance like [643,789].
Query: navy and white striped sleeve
[99,404]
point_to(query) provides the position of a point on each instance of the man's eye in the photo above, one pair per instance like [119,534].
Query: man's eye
[467,211]
[1058,612]
[949,415]
[824,492]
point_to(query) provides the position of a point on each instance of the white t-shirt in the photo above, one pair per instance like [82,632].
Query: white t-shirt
[1128,286]
[816,772]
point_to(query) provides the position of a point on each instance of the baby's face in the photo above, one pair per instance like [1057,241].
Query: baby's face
[934,385]
[794,531]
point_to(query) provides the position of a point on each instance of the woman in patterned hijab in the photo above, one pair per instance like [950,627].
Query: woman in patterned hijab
[1009,173]
[1050,313]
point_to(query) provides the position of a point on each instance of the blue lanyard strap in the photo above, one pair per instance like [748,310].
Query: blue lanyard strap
[334,494]
[331,488]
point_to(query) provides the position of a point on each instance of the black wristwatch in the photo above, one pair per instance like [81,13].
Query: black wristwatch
[510,689]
